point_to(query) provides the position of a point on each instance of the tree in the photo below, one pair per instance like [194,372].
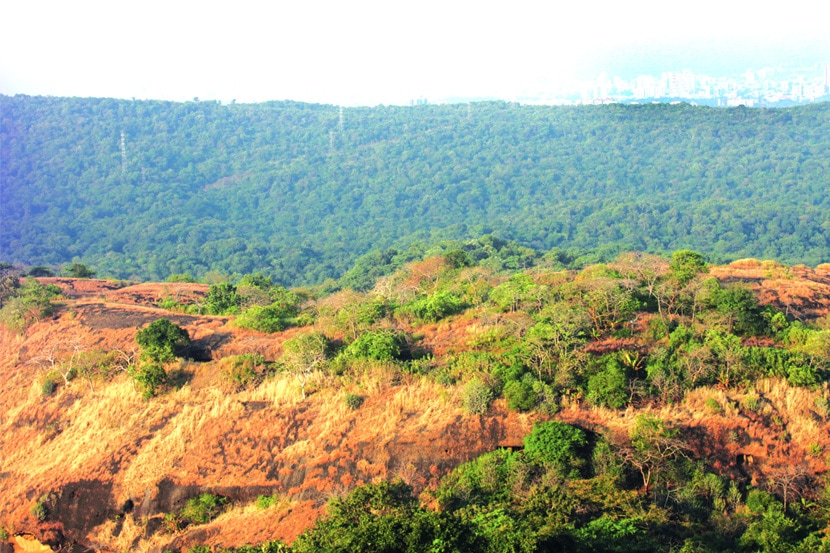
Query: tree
[729,351]
[609,387]
[686,265]
[40,271]
[222,299]
[161,340]
[305,354]
[78,270]
[653,448]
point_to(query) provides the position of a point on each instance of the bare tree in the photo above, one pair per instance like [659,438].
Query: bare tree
[790,478]
[305,354]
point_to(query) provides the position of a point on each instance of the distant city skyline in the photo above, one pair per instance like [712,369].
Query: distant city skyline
[369,52]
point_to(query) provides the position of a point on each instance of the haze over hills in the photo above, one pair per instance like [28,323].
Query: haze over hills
[143,189]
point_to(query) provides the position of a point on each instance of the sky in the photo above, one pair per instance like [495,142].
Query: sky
[367,52]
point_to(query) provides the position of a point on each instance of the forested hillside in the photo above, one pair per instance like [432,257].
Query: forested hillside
[144,189]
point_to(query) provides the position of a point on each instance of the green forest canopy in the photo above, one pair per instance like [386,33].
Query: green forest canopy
[145,189]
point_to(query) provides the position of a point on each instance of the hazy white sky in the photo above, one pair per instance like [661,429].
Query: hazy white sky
[369,52]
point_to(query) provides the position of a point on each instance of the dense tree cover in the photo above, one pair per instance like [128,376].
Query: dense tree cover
[281,188]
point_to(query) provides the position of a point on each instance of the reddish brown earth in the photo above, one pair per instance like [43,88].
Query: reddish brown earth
[799,291]
[109,464]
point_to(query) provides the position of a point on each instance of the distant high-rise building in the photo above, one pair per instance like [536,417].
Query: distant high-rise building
[827,77]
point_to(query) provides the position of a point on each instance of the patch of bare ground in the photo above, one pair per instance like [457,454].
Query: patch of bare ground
[798,291]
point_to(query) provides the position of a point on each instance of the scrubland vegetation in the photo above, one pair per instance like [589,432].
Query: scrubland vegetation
[488,324]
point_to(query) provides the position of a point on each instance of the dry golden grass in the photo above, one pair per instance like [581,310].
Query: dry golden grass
[131,533]
[283,390]
[748,263]
[187,415]
[27,544]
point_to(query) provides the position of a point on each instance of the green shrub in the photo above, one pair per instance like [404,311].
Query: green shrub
[181,277]
[354,401]
[383,345]
[222,299]
[161,340]
[150,377]
[40,511]
[435,307]
[268,319]
[476,397]
[48,386]
[168,303]
[802,375]
[266,501]
[713,405]
[758,501]
[244,370]
[171,523]
[203,509]
[556,446]
[78,270]
[520,396]
[28,303]
[609,387]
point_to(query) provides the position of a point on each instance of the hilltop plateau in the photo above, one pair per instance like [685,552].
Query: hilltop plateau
[438,365]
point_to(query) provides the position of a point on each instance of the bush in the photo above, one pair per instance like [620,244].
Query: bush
[169,303]
[520,396]
[78,270]
[802,375]
[48,386]
[713,405]
[181,277]
[383,345]
[609,387]
[244,370]
[150,377]
[555,445]
[222,299]
[267,501]
[202,509]
[161,339]
[476,397]
[354,401]
[40,511]
[435,307]
[26,304]
[40,271]
[268,319]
